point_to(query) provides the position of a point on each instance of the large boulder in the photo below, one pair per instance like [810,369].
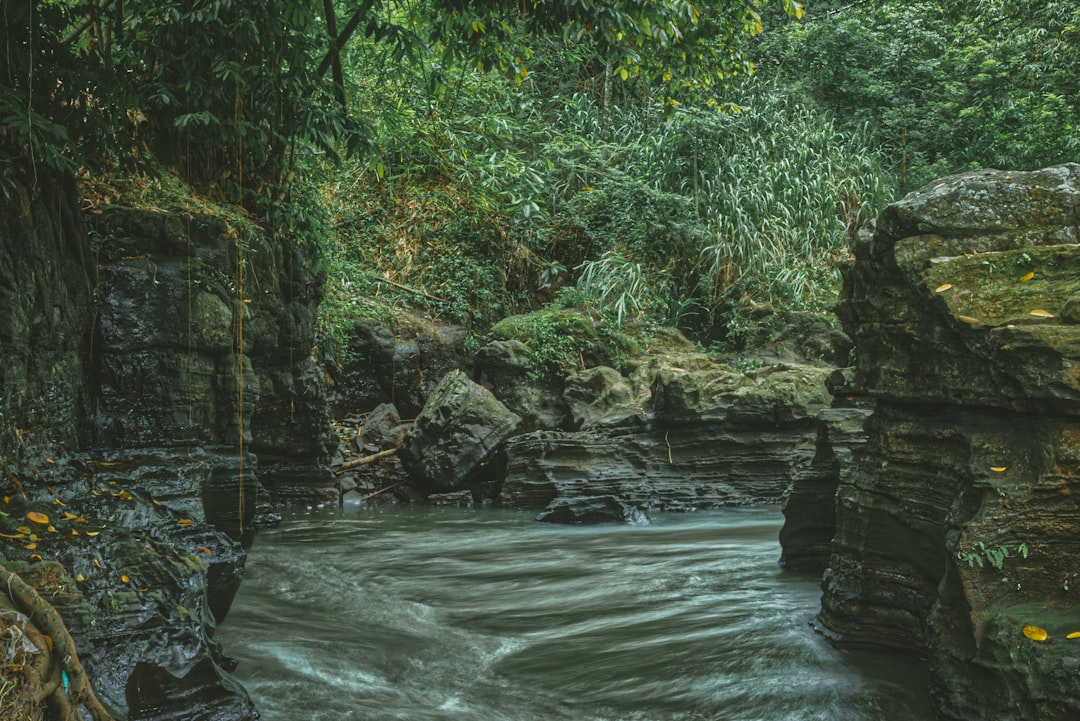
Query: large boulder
[456,436]
[957,525]
[400,366]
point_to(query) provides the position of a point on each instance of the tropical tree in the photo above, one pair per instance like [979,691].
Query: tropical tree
[942,85]
[230,90]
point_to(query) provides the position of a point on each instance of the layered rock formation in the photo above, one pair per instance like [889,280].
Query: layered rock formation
[695,435]
[957,527]
[148,362]
[204,338]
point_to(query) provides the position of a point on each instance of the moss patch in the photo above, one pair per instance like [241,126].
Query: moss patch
[561,341]
[1028,286]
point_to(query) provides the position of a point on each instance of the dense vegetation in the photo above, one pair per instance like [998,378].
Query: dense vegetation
[473,160]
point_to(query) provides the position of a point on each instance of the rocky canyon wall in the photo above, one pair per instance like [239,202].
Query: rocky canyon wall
[156,381]
[957,525]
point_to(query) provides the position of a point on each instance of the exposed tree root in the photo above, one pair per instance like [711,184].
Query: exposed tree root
[43,675]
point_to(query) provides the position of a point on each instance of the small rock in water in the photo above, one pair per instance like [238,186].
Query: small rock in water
[592,509]
[460,499]
[265,520]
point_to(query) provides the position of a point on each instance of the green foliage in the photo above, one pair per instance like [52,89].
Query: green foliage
[229,90]
[706,210]
[681,47]
[940,85]
[44,98]
[666,217]
[980,554]
[561,340]
[437,249]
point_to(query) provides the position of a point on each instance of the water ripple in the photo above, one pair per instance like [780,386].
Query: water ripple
[487,616]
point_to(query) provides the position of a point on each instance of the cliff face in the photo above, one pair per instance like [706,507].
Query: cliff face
[958,525]
[155,368]
[697,435]
[204,338]
[47,285]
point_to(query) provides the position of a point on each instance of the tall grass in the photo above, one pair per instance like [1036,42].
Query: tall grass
[670,218]
[770,195]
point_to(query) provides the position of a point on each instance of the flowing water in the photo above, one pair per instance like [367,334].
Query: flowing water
[399,613]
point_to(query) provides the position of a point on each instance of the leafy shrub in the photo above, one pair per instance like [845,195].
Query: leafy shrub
[561,341]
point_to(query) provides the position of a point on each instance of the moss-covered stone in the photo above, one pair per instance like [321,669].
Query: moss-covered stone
[956,524]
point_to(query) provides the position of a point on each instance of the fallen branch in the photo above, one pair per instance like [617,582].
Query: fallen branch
[366,460]
[48,621]
[369,496]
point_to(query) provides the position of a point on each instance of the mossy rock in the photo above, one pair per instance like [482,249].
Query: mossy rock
[561,341]
[1029,286]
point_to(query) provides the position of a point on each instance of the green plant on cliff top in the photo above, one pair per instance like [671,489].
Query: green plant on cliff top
[561,341]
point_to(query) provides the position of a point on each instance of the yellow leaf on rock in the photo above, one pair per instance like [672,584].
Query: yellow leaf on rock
[92,533]
[1041,313]
[968,319]
[80,578]
[29,546]
[943,288]
[1074,634]
[1027,276]
[37,517]
[1035,633]
[124,579]
[998,469]
[185,521]
[51,528]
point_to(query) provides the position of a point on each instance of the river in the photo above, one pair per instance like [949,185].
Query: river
[413,613]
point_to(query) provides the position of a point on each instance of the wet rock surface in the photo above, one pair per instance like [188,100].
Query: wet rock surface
[591,509]
[957,524]
[152,362]
[146,583]
[204,338]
